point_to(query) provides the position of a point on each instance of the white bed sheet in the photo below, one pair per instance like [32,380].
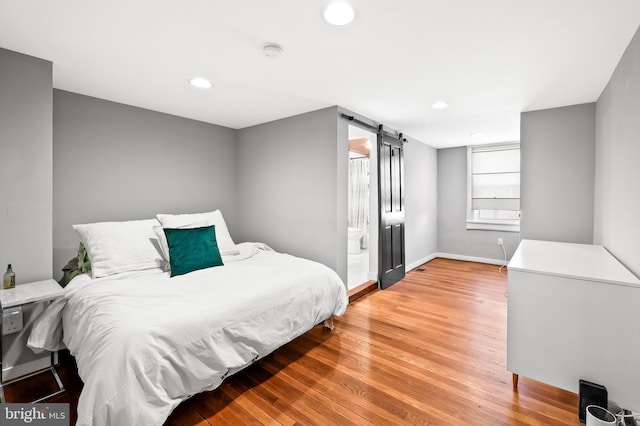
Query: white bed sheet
[144,342]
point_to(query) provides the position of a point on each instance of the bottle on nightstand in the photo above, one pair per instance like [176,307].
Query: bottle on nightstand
[9,280]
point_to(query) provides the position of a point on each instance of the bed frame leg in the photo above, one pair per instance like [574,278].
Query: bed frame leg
[328,323]
[514,380]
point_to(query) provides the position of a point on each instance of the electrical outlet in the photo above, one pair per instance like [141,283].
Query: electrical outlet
[500,241]
[12,320]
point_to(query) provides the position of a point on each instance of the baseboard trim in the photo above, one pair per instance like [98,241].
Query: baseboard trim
[452,256]
[470,258]
[420,262]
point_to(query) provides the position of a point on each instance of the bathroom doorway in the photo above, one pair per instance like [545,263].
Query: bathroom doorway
[362,232]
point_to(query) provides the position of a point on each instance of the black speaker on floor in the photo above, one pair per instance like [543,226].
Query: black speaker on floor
[591,394]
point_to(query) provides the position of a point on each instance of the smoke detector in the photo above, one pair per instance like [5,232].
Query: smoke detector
[273,50]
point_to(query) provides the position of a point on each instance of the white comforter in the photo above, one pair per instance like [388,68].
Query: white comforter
[144,342]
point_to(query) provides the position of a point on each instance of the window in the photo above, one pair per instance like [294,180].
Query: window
[493,187]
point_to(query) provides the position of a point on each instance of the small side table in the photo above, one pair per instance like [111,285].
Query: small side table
[26,294]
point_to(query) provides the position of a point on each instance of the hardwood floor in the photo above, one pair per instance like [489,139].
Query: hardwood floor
[429,350]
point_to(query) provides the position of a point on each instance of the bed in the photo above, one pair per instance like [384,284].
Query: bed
[146,339]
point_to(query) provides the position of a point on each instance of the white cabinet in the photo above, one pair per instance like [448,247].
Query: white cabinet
[574,313]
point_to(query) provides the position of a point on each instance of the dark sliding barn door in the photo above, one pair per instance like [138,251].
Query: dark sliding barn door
[391,203]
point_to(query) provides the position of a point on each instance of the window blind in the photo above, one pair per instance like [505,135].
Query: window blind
[495,178]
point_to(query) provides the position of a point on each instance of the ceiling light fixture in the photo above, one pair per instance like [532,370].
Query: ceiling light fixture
[273,50]
[440,105]
[339,13]
[200,83]
[476,135]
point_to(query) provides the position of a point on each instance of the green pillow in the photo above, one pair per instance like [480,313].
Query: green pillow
[76,266]
[84,264]
[192,249]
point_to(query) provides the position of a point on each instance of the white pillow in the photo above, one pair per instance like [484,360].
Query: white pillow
[116,247]
[162,238]
[185,221]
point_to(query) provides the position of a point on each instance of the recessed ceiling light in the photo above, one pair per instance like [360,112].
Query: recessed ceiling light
[273,50]
[476,135]
[339,13]
[201,83]
[440,105]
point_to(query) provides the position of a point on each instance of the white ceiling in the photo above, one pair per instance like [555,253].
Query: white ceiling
[489,59]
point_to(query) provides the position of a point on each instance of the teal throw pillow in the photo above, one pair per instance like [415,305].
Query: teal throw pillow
[192,249]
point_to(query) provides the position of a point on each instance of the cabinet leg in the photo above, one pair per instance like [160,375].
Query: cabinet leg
[514,377]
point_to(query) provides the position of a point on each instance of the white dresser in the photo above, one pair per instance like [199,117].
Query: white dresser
[574,313]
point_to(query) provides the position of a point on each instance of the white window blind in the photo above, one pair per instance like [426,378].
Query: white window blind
[495,178]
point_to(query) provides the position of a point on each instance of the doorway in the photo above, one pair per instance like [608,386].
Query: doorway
[362,222]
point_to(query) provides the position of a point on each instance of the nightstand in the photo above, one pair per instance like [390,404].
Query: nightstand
[26,294]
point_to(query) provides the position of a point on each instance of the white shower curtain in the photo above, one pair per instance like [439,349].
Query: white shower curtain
[359,196]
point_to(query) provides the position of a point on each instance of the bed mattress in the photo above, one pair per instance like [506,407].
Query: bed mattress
[144,342]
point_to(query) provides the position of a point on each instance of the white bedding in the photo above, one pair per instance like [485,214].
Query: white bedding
[144,342]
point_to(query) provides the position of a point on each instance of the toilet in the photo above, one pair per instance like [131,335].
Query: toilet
[354,237]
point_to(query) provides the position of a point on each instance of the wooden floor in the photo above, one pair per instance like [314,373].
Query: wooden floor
[429,350]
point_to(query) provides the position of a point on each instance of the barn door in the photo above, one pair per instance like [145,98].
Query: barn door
[391,203]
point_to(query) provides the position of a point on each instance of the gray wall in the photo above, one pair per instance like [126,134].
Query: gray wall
[557,149]
[292,186]
[421,202]
[25,189]
[453,236]
[25,175]
[117,162]
[617,181]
